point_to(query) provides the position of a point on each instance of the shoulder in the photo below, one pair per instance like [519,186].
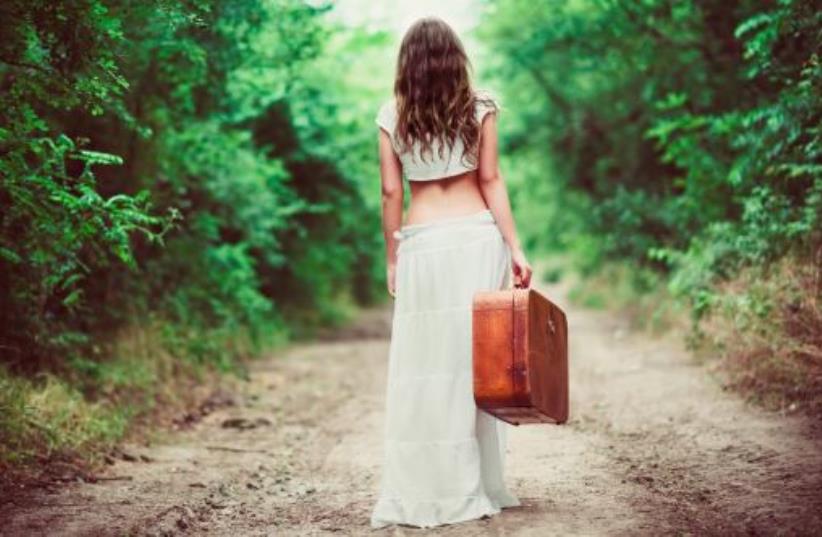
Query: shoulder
[486,102]
[387,115]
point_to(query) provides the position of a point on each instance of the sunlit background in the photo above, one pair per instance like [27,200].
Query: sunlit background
[462,15]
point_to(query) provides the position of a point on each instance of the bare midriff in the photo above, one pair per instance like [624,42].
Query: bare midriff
[457,195]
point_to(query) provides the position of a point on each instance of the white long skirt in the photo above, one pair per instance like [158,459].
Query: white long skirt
[442,456]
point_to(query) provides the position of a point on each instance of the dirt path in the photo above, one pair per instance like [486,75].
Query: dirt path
[654,447]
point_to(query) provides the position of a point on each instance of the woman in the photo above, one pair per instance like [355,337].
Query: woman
[443,457]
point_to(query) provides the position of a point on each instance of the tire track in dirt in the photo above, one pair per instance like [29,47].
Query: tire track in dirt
[653,447]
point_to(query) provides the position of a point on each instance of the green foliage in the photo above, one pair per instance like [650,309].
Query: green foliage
[673,149]
[124,119]
[55,226]
[201,166]
[691,129]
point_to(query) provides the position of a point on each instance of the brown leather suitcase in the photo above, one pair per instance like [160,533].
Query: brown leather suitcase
[520,355]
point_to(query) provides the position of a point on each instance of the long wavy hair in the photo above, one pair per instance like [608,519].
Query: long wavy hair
[435,100]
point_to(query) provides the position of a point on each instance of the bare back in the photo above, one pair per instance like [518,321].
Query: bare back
[451,196]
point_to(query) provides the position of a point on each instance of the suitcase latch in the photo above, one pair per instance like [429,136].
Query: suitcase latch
[550,326]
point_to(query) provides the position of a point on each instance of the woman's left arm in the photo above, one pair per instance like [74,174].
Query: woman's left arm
[392,197]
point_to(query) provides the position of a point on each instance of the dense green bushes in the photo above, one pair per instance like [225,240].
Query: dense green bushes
[692,129]
[682,137]
[121,120]
[174,165]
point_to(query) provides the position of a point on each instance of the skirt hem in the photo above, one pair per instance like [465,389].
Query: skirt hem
[432,513]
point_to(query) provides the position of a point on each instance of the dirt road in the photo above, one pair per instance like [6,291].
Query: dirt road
[654,447]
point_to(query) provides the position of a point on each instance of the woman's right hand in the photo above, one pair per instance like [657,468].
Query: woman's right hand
[391,279]
[522,269]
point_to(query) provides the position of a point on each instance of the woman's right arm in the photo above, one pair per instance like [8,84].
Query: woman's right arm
[494,191]
[392,193]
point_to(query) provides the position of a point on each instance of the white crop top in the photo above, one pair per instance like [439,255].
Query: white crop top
[433,167]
